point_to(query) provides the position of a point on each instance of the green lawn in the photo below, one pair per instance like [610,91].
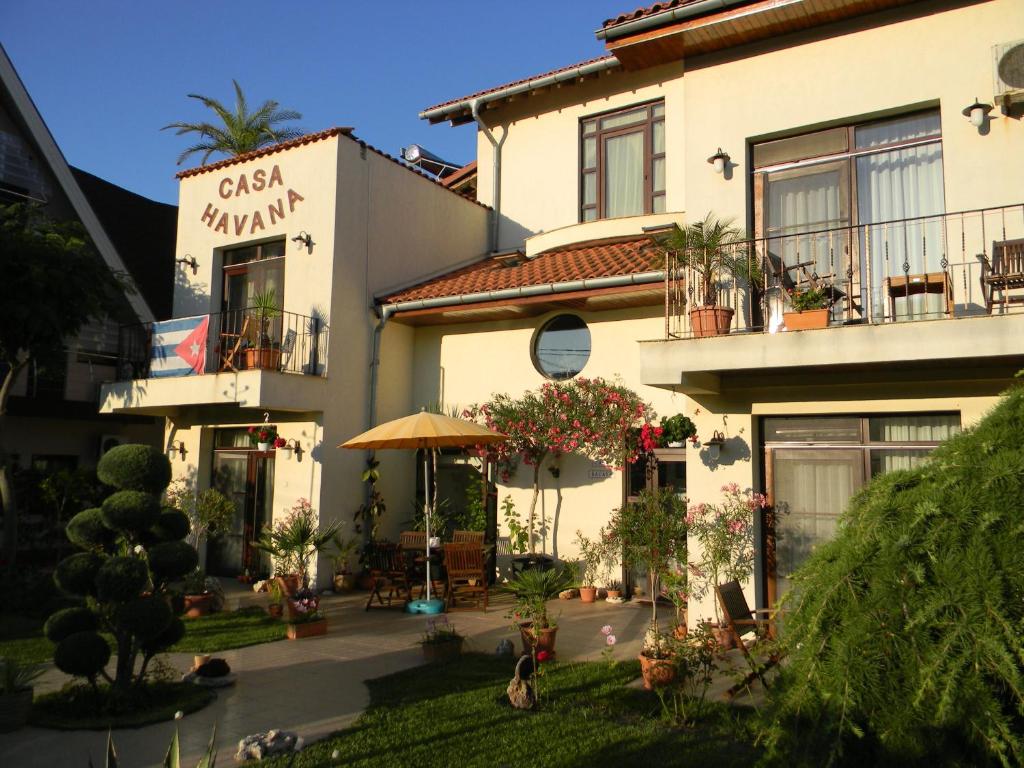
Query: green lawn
[22,638]
[459,715]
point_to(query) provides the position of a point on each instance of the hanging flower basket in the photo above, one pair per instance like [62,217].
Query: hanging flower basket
[264,437]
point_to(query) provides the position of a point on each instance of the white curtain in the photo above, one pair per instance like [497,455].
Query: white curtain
[805,203]
[624,175]
[914,429]
[903,184]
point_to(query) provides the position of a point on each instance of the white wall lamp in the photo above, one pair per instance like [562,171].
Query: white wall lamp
[189,260]
[977,113]
[290,447]
[719,161]
[176,447]
[304,239]
[714,445]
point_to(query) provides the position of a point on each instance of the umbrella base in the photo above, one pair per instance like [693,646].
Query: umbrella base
[425,606]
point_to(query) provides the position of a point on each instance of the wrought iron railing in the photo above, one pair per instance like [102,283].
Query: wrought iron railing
[234,340]
[949,266]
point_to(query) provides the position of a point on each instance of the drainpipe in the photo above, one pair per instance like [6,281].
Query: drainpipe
[378,331]
[474,107]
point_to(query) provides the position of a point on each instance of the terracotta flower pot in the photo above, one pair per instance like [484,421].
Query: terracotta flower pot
[263,358]
[450,650]
[614,594]
[293,582]
[723,638]
[656,672]
[806,320]
[307,629]
[198,605]
[344,582]
[276,610]
[588,594]
[14,709]
[710,321]
[546,641]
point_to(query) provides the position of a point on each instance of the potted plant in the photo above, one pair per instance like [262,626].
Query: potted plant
[266,353]
[304,617]
[676,583]
[198,599]
[676,430]
[264,437]
[725,532]
[651,534]
[276,606]
[16,692]
[810,307]
[712,250]
[295,540]
[441,642]
[614,590]
[532,590]
[344,581]
[593,555]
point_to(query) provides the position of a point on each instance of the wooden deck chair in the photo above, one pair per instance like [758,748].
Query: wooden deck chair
[739,620]
[467,580]
[387,568]
[288,348]
[1003,275]
[468,537]
[231,344]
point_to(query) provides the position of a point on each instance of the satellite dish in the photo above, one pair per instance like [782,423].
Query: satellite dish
[1011,66]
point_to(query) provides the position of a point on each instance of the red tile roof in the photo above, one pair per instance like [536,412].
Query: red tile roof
[650,10]
[518,82]
[309,138]
[467,170]
[607,258]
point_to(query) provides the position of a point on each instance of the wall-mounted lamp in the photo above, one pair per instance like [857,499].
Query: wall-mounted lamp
[189,261]
[977,113]
[714,445]
[719,160]
[304,238]
[176,447]
[292,446]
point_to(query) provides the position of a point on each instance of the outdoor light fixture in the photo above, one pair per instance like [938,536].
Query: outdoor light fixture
[189,261]
[176,447]
[714,445]
[304,239]
[719,160]
[977,113]
[292,446]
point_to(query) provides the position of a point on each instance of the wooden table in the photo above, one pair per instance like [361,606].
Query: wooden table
[915,285]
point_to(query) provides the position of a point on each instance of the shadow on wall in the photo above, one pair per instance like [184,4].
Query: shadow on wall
[190,298]
[733,450]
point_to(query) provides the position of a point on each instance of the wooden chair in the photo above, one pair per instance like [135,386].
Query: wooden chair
[901,287]
[387,566]
[231,344]
[739,620]
[413,545]
[468,537]
[466,577]
[413,540]
[1006,273]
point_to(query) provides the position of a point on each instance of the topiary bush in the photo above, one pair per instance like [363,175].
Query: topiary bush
[134,548]
[904,634]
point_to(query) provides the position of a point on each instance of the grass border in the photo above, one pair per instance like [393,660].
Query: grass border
[168,697]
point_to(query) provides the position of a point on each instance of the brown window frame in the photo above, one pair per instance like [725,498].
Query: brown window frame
[590,128]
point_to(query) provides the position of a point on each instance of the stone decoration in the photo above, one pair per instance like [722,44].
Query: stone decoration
[273,742]
[504,648]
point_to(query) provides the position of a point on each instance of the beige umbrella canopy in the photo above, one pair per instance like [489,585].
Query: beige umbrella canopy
[425,430]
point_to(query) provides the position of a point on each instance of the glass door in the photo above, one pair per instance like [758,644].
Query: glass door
[665,468]
[247,478]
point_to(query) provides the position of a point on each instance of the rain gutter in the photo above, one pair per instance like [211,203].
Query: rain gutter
[665,17]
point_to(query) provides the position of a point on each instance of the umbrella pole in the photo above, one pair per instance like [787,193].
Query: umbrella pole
[426,512]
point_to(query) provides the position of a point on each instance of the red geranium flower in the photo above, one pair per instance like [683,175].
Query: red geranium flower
[542,656]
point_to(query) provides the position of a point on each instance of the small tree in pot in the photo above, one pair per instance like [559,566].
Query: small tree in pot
[712,250]
[593,556]
[295,540]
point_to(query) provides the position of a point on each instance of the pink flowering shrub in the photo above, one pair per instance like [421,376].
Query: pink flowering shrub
[725,532]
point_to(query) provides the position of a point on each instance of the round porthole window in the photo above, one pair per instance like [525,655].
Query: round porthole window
[561,347]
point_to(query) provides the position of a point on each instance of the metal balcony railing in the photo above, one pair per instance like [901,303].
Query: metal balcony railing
[235,340]
[945,266]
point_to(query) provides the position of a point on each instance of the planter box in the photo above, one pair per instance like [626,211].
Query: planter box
[806,320]
[307,629]
[711,321]
[442,652]
[14,709]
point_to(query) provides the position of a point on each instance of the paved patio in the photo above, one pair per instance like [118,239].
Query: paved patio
[315,686]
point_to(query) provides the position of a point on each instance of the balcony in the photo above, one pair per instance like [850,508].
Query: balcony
[892,290]
[247,358]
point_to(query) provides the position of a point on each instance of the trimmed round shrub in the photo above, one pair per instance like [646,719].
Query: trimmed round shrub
[68,622]
[172,525]
[76,574]
[173,633]
[135,467]
[87,530]
[130,511]
[146,617]
[172,560]
[121,579]
[82,653]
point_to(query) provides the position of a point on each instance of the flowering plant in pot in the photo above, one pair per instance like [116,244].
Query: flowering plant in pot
[725,533]
[532,589]
[441,642]
[593,555]
[713,250]
[304,617]
[16,692]
[264,436]
[675,430]
[810,306]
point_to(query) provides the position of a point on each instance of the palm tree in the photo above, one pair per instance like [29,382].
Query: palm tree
[241,131]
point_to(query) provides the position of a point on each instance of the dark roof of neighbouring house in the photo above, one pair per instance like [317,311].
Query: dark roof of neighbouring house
[581,261]
[143,231]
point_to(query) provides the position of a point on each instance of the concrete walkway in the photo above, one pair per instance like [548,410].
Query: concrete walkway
[315,686]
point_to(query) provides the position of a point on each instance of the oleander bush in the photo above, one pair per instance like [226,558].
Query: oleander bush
[904,634]
[133,552]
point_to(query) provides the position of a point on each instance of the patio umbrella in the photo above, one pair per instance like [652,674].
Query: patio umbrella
[431,431]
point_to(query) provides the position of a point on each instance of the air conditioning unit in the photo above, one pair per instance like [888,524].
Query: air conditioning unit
[1008,59]
[110,441]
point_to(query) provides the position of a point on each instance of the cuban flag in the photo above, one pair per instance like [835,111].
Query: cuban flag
[179,347]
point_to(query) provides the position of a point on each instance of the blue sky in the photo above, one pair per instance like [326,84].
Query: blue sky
[107,75]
